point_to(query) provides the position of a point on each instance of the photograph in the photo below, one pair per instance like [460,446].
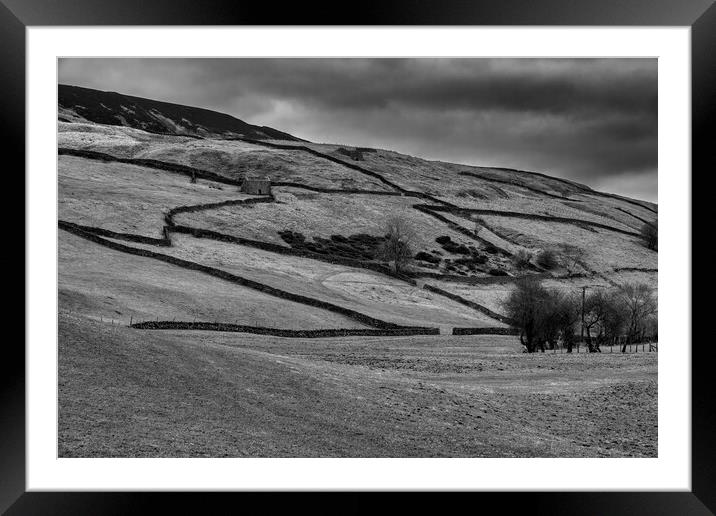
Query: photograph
[376,257]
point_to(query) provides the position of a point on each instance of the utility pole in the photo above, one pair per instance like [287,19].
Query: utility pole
[584,294]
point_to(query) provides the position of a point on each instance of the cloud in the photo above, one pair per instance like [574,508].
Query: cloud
[583,119]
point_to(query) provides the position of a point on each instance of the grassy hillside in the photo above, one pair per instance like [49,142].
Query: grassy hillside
[307,258]
[111,108]
[513,211]
[128,198]
[103,283]
[368,292]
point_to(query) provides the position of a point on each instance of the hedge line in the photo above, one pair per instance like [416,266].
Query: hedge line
[467,302]
[305,334]
[334,190]
[131,237]
[520,185]
[150,163]
[636,216]
[244,282]
[584,189]
[169,216]
[530,216]
[423,208]
[324,156]
[485,331]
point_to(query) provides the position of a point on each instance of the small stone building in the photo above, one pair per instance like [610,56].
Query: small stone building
[255,185]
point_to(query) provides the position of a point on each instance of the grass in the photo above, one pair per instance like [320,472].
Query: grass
[231,158]
[128,198]
[133,393]
[604,250]
[367,292]
[323,215]
[103,283]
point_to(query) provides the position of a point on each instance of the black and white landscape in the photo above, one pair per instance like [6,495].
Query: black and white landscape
[357,258]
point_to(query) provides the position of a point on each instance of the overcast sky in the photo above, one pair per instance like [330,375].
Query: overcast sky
[591,120]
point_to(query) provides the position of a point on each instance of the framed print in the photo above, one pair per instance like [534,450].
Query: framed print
[267,250]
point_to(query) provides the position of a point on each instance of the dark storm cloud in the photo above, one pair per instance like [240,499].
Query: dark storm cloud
[591,120]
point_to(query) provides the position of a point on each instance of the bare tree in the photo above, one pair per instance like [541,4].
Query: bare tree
[614,318]
[572,258]
[596,308]
[650,235]
[399,242]
[640,306]
[568,316]
[558,315]
[527,306]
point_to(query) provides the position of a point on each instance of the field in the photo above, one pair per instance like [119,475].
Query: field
[103,283]
[227,157]
[316,214]
[368,292]
[128,198]
[126,392]
[129,392]
[603,249]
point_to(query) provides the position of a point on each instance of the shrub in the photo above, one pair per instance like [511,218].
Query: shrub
[521,259]
[425,257]
[547,259]
[442,240]
[455,248]
[497,272]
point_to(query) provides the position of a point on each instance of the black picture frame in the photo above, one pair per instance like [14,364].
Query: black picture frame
[700,15]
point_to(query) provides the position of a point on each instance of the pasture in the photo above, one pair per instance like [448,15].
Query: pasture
[134,393]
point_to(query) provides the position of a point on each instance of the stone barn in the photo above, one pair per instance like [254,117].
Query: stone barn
[255,185]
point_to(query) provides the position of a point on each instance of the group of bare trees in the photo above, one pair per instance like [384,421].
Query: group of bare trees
[545,317]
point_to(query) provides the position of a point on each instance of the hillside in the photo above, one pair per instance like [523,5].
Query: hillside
[158,246]
[110,108]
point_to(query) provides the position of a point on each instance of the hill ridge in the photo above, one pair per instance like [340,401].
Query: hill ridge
[113,108]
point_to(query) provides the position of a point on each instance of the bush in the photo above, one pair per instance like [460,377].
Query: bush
[455,248]
[497,272]
[521,259]
[425,257]
[442,240]
[547,259]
